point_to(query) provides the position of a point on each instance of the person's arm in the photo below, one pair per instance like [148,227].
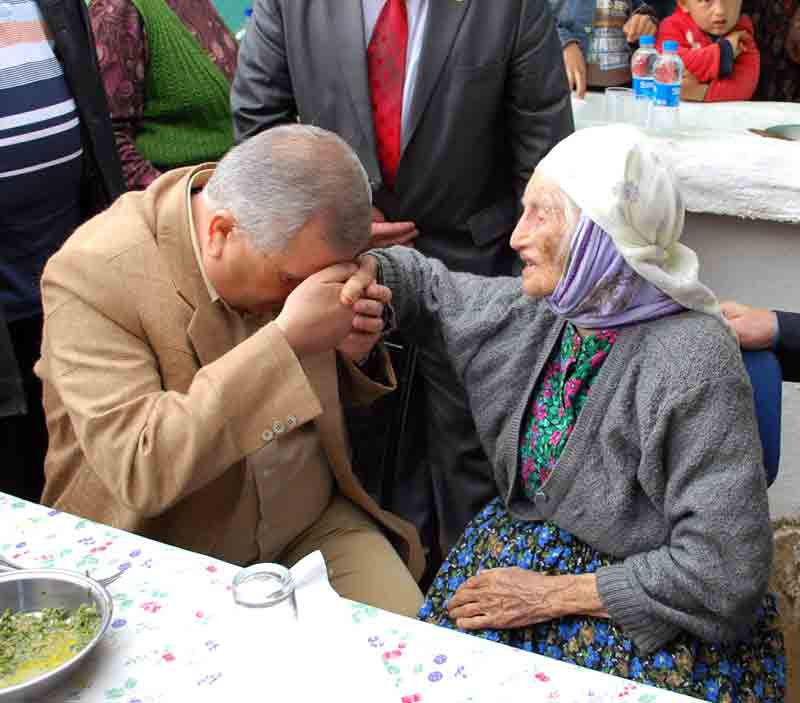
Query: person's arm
[742,81]
[561,10]
[711,574]
[703,63]
[788,347]
[455,312]
[759,328]
[122,58]
[262,95]
[151,447]
[538,108]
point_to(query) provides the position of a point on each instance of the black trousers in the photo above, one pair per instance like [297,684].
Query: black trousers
[23,438]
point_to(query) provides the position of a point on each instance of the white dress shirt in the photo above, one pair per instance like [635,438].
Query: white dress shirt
[417,19]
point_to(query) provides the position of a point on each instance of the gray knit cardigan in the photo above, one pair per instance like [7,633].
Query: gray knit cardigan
[663,470]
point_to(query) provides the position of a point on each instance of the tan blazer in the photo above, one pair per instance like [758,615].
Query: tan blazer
[152,410]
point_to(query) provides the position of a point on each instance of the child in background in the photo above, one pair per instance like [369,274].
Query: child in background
[717,47]
[597,37]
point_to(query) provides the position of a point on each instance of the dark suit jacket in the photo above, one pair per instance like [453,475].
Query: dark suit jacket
[491,100]
[789,346]
[68,22]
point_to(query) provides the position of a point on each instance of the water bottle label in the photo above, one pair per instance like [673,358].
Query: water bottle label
[643,88]
[668,94]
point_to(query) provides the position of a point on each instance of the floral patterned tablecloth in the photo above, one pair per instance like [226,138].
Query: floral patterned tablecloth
[172,611]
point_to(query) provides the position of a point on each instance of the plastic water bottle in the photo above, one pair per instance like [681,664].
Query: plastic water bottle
[642,64]
[242,31]
[668,74]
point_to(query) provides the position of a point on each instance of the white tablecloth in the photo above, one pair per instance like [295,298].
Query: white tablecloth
[171,640]
[722,168]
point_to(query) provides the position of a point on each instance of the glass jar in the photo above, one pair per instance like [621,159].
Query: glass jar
[266,586]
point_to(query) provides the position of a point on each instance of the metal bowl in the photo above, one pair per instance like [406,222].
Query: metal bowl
[785,131]
[31,590]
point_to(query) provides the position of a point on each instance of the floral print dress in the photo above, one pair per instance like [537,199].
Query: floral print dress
[749,670]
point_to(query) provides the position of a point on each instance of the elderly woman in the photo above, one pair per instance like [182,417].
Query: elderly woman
[631,532]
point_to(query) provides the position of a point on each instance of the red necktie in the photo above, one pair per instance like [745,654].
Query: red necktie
[386,63]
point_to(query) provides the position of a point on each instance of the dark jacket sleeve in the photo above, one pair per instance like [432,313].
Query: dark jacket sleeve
[262,95]
[789,345]
[538,104]
[68,23]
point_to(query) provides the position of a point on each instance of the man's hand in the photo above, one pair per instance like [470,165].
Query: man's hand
[792,44]
[755,327]
[576,69]
[638,26]
[367,324]
[314,319]
[739,41]
[692,89]
[387,234]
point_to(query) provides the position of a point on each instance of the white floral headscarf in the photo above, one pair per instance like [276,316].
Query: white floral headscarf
[617,180]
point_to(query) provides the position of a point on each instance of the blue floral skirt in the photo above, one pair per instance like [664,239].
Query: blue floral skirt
[752,670]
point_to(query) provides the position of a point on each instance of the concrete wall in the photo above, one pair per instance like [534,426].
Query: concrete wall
[758,263]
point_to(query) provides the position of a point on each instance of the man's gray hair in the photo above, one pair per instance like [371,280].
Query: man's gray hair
[276,182]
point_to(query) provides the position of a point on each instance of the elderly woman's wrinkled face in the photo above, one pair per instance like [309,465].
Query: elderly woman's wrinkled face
[541,237]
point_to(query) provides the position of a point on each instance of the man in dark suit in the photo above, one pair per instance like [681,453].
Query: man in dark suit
[58,167]
[450,105]
[759,328]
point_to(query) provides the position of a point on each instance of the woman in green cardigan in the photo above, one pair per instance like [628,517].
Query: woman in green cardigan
[167,66]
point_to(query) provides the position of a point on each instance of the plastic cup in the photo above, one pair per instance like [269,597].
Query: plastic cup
[620,105]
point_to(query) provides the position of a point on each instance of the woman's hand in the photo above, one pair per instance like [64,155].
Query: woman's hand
[576,69]
[638,26]
[792,44]
[513,597]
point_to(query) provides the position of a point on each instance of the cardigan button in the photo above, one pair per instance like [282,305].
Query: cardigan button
[540,497]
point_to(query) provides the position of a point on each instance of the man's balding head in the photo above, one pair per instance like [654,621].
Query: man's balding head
[277,182]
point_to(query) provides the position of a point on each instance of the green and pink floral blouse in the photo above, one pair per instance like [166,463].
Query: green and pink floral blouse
[557,401]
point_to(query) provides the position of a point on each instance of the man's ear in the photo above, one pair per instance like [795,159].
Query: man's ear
[220,228]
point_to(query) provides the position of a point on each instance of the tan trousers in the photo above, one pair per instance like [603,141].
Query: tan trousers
[362,564]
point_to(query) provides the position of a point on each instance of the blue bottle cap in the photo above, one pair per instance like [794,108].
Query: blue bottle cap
[647,40]
[670,45]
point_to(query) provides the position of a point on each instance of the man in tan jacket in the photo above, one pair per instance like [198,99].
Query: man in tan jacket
[196,356]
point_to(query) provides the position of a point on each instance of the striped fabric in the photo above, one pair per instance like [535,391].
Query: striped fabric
[40,156]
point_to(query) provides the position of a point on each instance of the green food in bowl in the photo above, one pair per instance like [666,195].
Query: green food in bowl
[37,642]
